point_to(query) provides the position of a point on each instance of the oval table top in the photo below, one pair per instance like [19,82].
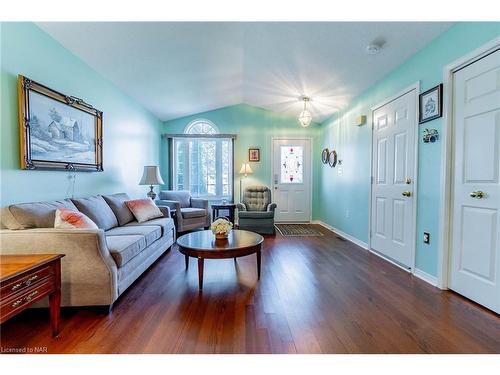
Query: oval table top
[204,244]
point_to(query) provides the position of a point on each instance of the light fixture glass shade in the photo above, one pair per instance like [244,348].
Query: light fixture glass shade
[305,118]
[151,176]
[245,168]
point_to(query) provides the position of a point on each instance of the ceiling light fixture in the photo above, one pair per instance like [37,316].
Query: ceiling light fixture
[305,116]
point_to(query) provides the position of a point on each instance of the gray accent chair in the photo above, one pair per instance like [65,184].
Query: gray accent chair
[256,212]
[188,212]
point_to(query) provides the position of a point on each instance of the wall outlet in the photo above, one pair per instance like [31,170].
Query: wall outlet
[427,238]
[347,213]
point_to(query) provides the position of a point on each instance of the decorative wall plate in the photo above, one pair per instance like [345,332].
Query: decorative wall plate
[332,158]
[325,155]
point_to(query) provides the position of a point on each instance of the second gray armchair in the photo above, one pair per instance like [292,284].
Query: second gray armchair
[256,211]
[188,212]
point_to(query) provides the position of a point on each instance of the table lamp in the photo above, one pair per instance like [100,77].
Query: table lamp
[151,176]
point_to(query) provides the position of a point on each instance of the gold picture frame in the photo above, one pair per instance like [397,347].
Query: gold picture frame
[57,131]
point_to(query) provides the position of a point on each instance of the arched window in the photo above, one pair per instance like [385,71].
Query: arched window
[201,126]
[203,161]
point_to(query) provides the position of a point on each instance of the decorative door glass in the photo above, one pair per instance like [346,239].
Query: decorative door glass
[291,164]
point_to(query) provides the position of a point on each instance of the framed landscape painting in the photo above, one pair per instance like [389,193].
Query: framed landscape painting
[57,131]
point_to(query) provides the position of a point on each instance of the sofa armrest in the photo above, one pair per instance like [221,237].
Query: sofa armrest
[271,207]
[172,205]
[88,271]
[165,210]
[199,203]
[241,206]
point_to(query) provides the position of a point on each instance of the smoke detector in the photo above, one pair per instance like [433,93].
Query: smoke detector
[373,48]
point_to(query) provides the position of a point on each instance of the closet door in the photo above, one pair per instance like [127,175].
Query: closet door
[475,251]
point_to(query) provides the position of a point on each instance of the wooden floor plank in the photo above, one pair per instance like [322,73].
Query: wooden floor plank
[316,295]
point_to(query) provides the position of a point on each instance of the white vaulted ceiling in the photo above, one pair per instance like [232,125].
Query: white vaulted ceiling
[178,69]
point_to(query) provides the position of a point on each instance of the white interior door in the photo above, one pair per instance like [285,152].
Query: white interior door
[292,179]
[393,171]
[475,251]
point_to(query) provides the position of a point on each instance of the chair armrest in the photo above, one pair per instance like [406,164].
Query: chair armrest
[165,210]
[172,205]
[199,203]
[88,271]
[241,206]
[271,207]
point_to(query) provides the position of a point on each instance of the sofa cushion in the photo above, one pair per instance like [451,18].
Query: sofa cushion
[72,219]
[165,223]
[150,232]
[97,210]
[189,213]
[144,209]
[117,204]
[126,247]
[39,214]
[256,214]
[181,196]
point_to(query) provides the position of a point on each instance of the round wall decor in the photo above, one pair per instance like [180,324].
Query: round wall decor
[325,155]
[332,158]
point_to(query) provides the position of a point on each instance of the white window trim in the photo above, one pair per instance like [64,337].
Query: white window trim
[187,129]
[187,161]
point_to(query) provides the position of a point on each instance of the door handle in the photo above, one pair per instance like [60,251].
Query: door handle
[406,193]
[477,194]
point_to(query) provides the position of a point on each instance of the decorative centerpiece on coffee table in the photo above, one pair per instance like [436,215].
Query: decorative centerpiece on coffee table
[221,228]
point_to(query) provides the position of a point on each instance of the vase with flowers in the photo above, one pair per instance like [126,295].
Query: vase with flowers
[221,228]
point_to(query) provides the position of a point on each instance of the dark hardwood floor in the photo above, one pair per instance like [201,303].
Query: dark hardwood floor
[316,295]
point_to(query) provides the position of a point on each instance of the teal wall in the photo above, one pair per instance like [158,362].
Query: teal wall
[254,127]
[350,190]
[131,134]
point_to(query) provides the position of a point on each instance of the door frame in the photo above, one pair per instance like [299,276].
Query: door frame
[448,157]
[415,86]
[311,143]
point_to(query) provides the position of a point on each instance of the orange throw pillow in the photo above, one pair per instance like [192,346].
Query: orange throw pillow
[70,219]
[144,209]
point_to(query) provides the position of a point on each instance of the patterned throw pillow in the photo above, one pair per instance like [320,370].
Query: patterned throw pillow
[70,219]
[144,209]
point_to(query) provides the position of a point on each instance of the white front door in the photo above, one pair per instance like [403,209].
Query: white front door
[393,171]
[475,250]
[292,179]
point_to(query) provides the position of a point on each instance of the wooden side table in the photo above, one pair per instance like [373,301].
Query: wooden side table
[25,279]
[228,206]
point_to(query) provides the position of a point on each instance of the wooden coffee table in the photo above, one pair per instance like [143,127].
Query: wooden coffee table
[203,245]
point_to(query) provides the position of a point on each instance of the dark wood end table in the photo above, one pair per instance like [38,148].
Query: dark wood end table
[25,279]
[231,207]
[203,245]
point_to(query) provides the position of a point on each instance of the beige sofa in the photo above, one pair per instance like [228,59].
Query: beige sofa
[99,264]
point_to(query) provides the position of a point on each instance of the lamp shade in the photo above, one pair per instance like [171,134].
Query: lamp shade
[151,176]
[245,168]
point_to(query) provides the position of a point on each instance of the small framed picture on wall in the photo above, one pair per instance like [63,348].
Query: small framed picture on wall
[254,154]
[431,104]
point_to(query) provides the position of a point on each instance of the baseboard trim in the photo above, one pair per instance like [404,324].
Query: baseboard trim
[425,277]
[422,275]
[338,232]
